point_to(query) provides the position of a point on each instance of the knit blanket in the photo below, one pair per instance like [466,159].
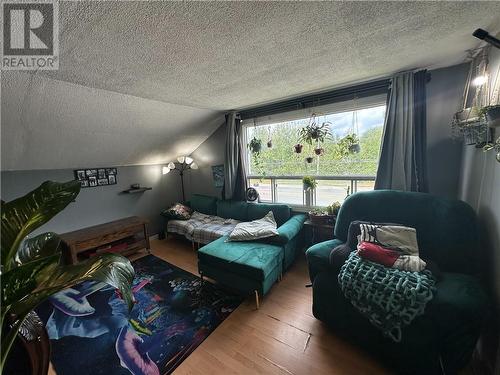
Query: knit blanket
[388,297]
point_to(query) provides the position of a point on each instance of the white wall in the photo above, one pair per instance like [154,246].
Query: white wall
[50,124]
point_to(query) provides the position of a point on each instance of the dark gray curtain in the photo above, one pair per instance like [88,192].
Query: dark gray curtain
[234,166]
[402,164]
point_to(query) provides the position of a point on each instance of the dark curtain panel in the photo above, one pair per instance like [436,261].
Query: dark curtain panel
[402,164]
[420,180]
[234,167]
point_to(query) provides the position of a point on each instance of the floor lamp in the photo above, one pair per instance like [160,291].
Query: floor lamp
[184,163]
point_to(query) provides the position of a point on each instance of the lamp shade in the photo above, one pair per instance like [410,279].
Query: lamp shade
[165,170]
[181,159]
[188,160]
[194,165]
[171,165]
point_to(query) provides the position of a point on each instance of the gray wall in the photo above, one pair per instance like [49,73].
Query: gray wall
[50,124]
[210,152]
[101,204]
[480,187]
[444,93]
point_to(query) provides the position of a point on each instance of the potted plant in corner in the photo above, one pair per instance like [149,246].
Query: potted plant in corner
[33,270]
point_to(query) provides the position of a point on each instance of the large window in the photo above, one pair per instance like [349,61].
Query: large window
[278,170]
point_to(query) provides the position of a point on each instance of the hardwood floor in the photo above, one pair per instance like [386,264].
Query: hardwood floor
[282,337]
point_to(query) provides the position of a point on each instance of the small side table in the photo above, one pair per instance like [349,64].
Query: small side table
[320,232]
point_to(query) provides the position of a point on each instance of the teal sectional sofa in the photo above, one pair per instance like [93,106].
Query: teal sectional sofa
[448,236]
[250,267]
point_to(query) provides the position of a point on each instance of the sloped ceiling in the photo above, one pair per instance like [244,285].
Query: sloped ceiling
[140,82]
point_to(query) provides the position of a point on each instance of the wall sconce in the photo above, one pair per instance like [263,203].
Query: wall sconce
[184,163]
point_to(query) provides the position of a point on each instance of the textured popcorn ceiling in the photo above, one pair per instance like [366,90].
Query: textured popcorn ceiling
[146,81]
[224,55]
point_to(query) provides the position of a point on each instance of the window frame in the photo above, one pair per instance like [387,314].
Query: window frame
[340,107]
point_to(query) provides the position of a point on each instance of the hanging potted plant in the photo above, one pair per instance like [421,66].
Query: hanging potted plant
[255,145]
[314,132]
[494,146]
[349,145]
[309,159]
[491,114]
[319,151]
[298,148]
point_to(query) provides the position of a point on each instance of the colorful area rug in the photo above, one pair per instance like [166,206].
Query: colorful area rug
[92,331]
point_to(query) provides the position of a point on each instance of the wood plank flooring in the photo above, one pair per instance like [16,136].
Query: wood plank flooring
[281,338]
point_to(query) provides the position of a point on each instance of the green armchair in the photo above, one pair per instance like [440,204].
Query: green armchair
[447,231]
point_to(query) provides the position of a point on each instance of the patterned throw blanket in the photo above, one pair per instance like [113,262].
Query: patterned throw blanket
[388,297]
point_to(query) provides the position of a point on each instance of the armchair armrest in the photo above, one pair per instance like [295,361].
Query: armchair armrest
[291,228]
[318,257]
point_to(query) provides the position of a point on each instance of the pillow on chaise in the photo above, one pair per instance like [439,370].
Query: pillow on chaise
[254,230]
[178,211]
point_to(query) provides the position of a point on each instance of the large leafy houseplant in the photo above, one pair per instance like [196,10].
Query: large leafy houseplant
[32,268]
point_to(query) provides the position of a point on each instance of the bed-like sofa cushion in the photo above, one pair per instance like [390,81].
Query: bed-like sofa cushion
[230,209]
[281,212]
[204,204]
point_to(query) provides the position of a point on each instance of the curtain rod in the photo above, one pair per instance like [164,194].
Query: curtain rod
[361,90]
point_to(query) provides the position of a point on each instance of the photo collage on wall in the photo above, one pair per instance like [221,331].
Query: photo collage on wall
[96,177]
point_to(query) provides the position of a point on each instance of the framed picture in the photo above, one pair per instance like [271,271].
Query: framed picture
[80,175]
[218,175]
[93,177]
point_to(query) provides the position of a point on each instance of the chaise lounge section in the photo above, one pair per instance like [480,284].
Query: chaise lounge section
[249,267]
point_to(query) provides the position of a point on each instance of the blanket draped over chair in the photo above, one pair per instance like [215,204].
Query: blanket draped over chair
[388,297]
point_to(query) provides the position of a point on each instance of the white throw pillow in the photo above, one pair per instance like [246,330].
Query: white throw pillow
[253,230]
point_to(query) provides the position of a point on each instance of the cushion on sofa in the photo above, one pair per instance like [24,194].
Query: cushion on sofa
[281,212]
[177,211]
[255,260]
[255,229]
[204,204]
[232,209]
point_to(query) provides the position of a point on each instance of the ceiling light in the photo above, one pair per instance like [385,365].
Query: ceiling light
[181,159]
[194,166]
[480,80]
[165,170]
[188,160]
[171,165]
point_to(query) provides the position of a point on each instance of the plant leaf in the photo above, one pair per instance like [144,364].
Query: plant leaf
[50,277]
[23,215]
[41,246]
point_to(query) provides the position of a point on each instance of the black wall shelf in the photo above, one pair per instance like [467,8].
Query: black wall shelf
[135,191]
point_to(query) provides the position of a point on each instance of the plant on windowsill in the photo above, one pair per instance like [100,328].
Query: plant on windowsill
[333,209]
[309,183]
[32,269]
